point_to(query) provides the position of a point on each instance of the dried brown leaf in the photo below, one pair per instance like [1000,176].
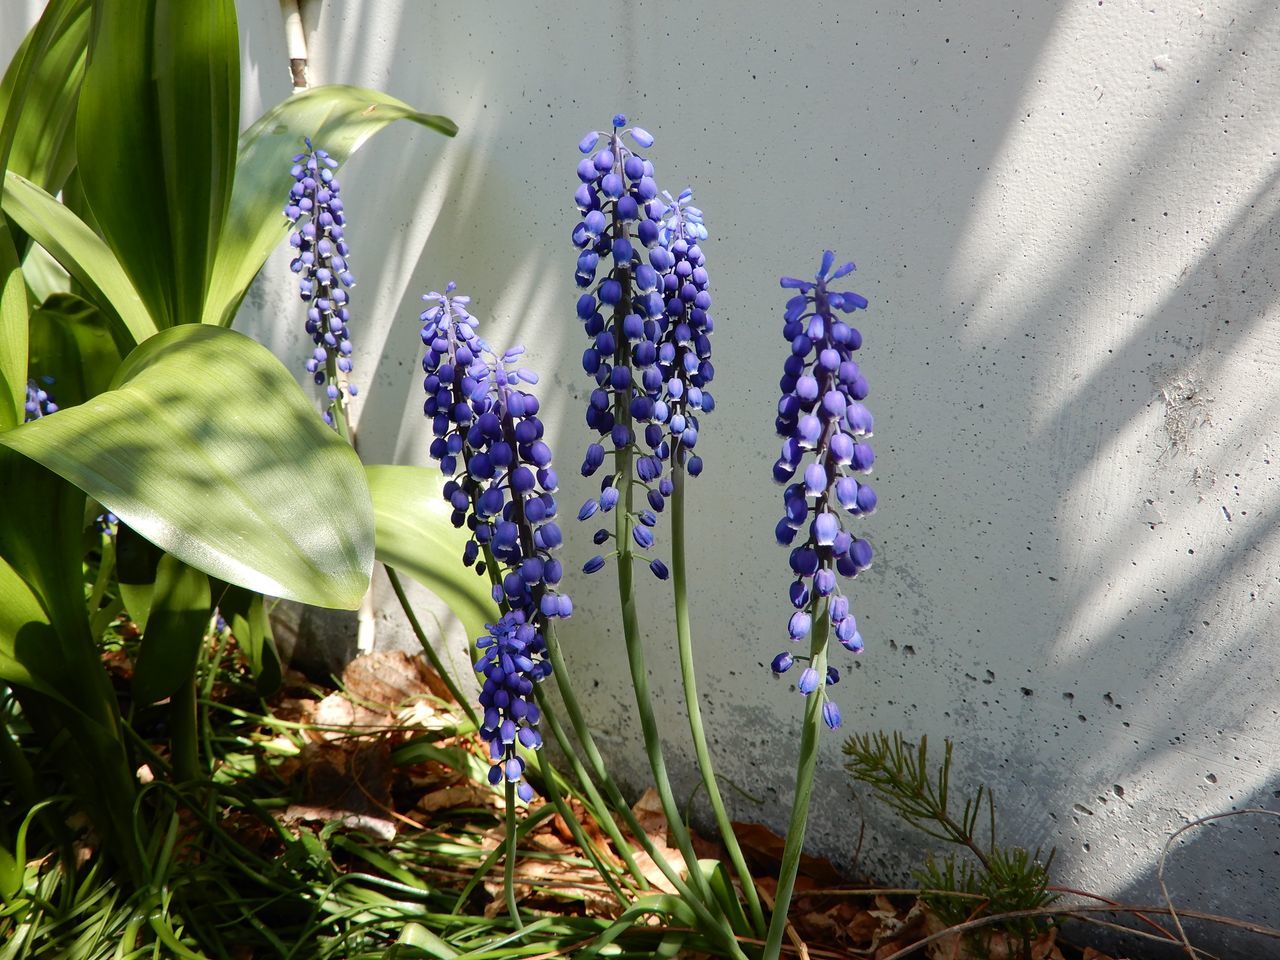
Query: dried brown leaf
[764,848]
[390,678]
[460,795]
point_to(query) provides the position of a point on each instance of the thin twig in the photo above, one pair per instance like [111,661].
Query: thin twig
[1192,952]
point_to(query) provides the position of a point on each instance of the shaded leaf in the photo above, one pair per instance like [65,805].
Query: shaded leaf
[175,631]
[242,481]
[161,175]
[338,119]
[414,535]
[72,342]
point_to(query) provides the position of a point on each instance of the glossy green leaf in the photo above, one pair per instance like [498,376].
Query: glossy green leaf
[39,93]
[79,250]
[72,342]
[207,447]
[13,349]
[175,630]
[415,537]
[159,115]
[337,119]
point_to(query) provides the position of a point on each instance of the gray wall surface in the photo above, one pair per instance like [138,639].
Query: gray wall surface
[1065,217]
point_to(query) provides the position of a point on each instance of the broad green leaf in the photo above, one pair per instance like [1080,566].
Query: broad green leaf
[80,251]
[415,537]
[337,119]
[175,631]
[246,615]
[13,349]
[39,92]
[71,342]
[159,114]
[28,643]
[41,543]
[207,447]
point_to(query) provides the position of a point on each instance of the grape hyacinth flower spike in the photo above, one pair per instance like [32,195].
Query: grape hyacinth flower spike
[825,427]
[489,443]
[314,207]
[621,312]
[684,343]
[39,403]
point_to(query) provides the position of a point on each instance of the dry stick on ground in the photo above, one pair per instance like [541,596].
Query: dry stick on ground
[1192,952]
[1080,913]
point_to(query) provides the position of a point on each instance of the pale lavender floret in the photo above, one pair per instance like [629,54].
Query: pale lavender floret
[39,402]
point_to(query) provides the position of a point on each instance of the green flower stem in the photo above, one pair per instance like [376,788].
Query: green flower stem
[684,639]
[337,408]
[550,776]
[593,801]
[509,861]
[804,784]
[713,923]
[436,663]
[640,673]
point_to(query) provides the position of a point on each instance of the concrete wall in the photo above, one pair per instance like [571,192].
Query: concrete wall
[1065,217]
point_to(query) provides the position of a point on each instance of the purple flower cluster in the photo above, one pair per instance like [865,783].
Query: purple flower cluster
[824,422]
[39,403]
[321,259]
[648,322]
[621,220]
[501,485]
[684,344]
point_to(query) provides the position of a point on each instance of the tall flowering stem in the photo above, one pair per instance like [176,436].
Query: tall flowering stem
[825,426]
[684,359]
[621,213]
[315,208]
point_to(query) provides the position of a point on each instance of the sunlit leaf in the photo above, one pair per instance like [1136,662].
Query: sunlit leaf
[39,93]
[208,448]
[338,119]
[13,348]
[415,537]
[80,251]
